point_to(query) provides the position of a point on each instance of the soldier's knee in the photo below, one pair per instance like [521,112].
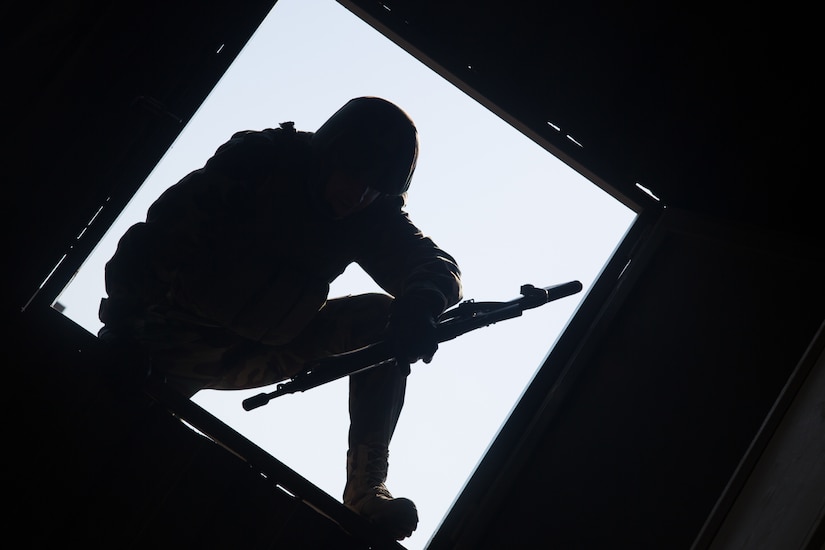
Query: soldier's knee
[367,305]
[379,302]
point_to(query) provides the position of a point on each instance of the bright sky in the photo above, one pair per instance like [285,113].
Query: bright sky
[509,211]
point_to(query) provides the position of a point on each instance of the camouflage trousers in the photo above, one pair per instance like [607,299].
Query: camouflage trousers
[193,355]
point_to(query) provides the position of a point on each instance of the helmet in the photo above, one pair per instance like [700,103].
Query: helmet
[373,138]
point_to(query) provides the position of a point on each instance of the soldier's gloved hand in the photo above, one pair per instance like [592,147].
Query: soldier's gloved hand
[412,326]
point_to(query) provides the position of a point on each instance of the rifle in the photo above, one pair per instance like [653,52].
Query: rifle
[466,316]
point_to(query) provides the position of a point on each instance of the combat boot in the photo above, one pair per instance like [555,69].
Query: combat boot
[366,493]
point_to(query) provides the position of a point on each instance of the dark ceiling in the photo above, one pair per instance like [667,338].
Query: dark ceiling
[707,104]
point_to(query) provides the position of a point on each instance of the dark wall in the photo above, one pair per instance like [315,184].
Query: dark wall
[636,435]
[98,91]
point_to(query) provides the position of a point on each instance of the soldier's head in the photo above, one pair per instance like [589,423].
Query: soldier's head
[368,148]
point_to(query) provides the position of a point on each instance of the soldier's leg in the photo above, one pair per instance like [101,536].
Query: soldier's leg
[194,354]
[376,398]
[197,356]
[377,394]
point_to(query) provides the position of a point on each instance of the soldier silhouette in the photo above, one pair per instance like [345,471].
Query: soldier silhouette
[226,282]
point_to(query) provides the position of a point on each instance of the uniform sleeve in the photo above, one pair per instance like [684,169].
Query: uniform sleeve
[402,260]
